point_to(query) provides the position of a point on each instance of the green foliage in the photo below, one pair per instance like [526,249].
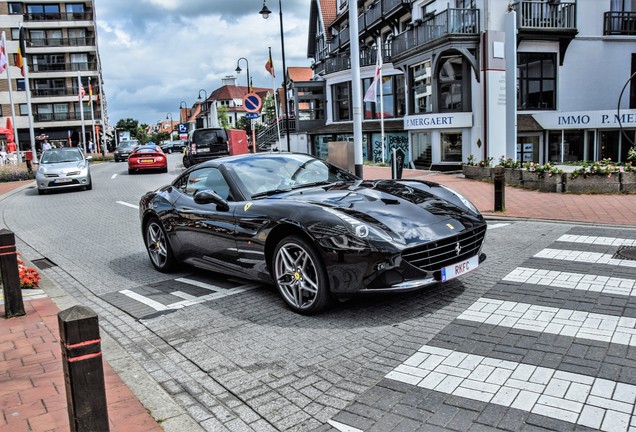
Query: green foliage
[486,163]
[15,175]
[542,170]
[243,123]
[604,168]
[269,107]
[509,163]
[221,114]
[631,154]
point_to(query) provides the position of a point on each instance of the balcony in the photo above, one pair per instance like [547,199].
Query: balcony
[62,67]
[548,15]
[59,16]
[551,20]
[57,92]
[62,42]
[63,116]
[342,62]
[448,24]
[619,23]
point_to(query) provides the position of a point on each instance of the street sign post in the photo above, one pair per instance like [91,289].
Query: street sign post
[252,103]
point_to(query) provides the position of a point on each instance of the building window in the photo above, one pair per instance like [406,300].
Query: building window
[451,84]
[15,8]
[391,102]
[342,102]
[20,84]
[422,88]
[15,34]
[451,146]
[24,110]
[536,80]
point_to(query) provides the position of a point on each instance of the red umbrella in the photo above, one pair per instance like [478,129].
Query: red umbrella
[9,129]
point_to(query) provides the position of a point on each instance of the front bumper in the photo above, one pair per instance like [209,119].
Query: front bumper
[57,183]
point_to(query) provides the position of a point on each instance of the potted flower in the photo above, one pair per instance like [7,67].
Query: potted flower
[481,170]
[29,277]
[595,177]
[546,177]
[628,176]
[512,174]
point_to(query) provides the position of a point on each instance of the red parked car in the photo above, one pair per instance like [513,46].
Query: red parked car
[147,157]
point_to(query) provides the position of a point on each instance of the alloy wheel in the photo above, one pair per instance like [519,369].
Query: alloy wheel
[296,276]
[157,245]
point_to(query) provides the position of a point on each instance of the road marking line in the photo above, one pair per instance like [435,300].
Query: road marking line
[585,257]
[343,427]
[145,300]
[113,176]
[497,225]
[127,204]
[575,398]
[577,281]
[595,240]
[544,319]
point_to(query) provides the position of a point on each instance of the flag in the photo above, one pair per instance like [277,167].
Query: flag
[372,92]
[82,92]
[251,87]
[90,93]
[269,66]
[3,55]
[21,51]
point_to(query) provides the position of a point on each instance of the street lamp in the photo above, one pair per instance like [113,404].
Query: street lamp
[238,70]
[265,12]
[169,117]
[183,105]
[205,100]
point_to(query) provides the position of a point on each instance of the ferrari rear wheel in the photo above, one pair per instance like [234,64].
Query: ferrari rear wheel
[300,276]
[158,247]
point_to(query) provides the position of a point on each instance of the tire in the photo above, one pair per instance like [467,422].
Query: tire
[89,186]
[186,163]
[158,246]
[164,170]
[116,160]
[131,171]
[300,276]
[41,192]
[169,151]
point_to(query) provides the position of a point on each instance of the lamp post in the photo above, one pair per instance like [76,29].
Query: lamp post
[265,12]
[169,117]
[238,71]
[182,105]
[205,100]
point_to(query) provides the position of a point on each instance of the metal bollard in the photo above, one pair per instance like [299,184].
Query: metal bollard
[13,303]
[83,370]
[500,189]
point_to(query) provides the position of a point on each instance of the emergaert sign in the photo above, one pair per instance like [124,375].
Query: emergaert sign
[586,119]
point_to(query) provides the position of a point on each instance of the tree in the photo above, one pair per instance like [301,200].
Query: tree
[128,124]
[269,108]
[221,114]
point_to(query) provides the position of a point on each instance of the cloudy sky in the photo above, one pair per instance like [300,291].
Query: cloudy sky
[157,53]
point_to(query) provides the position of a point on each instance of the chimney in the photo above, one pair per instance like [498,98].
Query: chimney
[229,81]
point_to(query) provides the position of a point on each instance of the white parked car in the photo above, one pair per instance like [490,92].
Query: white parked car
[63,168]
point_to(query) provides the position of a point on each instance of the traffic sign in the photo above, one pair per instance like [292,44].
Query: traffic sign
[252,115]
[252,103]
[182,128]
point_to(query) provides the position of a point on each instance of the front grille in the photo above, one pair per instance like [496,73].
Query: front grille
[50,175]
[440,253]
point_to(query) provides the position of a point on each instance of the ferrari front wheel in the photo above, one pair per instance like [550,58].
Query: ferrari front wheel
[300,276]
[158,246]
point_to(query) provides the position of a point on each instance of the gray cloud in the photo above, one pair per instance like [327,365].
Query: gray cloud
[157,53]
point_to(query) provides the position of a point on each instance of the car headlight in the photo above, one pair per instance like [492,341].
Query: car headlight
[361,229]
[42,170]
[463,199]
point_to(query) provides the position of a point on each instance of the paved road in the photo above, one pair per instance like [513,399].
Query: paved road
[235,358]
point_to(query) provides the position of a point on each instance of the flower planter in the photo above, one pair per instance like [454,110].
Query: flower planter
[592,184]
[475,172]
[628,182]
[513,176]
[546,183]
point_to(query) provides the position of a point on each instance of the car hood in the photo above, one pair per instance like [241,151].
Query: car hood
[62,167]
[411,211]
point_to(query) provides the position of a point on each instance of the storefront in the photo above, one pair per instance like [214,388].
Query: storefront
[587,135]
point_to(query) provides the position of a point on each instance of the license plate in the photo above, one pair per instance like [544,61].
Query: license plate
[203,150]
[460,268]
[63,180]
[146,160]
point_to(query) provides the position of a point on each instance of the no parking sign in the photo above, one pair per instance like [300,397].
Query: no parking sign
[252,102]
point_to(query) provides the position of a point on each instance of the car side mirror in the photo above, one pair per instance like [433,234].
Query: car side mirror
[207,196]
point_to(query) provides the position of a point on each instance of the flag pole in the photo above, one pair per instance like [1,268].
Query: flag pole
[382,137]
[275,99]
[29,110]
[79,94]
[90,103]
[15,126]
[101,110]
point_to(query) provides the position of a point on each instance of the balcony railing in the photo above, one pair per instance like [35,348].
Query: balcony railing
[341,62]
[62,67]
[57,92]
[57,42]
[619,23]
[546,14]
[59,16]
[451,22]
[64,116]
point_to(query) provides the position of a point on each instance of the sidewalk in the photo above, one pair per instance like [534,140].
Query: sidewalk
[32,390]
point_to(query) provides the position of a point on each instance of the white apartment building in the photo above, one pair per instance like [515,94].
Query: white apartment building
[61,45]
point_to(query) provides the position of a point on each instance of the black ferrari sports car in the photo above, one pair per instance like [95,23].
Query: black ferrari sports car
[314,230]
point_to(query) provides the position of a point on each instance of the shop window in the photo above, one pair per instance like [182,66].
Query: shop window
[536,81]
[628,140]
[422,88]
[451,143]
[609,144]
[390,100]
[528,148]
[342,102]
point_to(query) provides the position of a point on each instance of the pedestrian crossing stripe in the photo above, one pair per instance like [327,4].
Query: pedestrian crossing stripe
[576,281]
[584,257]
[580,399]
[596,240]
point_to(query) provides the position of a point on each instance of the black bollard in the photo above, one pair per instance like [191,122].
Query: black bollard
[29,166]
[13,304]
[500,189]
[83,370]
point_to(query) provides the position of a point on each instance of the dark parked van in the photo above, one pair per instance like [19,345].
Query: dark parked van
[206,144]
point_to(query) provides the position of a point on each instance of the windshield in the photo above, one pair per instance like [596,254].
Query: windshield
[128,143]
[61,156]
[264,175]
